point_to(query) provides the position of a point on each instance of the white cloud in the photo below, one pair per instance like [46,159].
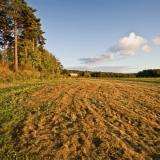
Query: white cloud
[146,48]
[156,41]
[97,60]
[128,46]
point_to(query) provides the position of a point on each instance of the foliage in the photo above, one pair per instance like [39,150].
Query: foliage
[87,74]
[149,73]
[99,74]
[94,74]
[21,40]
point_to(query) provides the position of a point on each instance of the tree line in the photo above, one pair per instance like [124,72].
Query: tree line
[21,39]
[94,74]
[88,74]
[149,73]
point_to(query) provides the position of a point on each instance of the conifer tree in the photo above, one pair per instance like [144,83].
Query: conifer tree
[5,32]
[15,11]
[21,36]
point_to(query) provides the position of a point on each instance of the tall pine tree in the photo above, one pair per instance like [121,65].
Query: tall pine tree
[15,10]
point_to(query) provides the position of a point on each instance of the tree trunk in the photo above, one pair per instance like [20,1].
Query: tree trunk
[4,56]
[15,46]
[33,44]
[26,53]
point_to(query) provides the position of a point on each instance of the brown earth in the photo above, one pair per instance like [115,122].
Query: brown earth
[92,120]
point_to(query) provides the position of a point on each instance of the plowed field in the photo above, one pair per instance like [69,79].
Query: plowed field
[89,120]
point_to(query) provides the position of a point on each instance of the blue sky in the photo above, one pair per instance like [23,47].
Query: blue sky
[102,35]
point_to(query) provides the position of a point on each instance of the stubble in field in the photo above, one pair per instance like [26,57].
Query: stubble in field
[91,119]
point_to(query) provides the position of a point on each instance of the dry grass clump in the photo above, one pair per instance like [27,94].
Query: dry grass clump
[8,75]
[5,72]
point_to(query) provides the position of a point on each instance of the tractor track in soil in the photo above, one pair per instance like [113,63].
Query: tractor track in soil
[93,120]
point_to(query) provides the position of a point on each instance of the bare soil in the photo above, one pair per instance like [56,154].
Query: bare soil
[92,120]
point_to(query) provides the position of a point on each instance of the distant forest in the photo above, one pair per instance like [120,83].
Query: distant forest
[22,41]
[145,73]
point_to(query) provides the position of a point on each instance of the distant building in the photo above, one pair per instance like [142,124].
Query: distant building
[73,75]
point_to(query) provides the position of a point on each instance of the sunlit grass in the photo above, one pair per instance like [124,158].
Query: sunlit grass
[147,80]
[13,99]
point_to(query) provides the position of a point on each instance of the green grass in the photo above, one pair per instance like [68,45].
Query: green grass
[13,112]
[147,80]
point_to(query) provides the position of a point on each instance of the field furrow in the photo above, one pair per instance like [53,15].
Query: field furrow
[88,120]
